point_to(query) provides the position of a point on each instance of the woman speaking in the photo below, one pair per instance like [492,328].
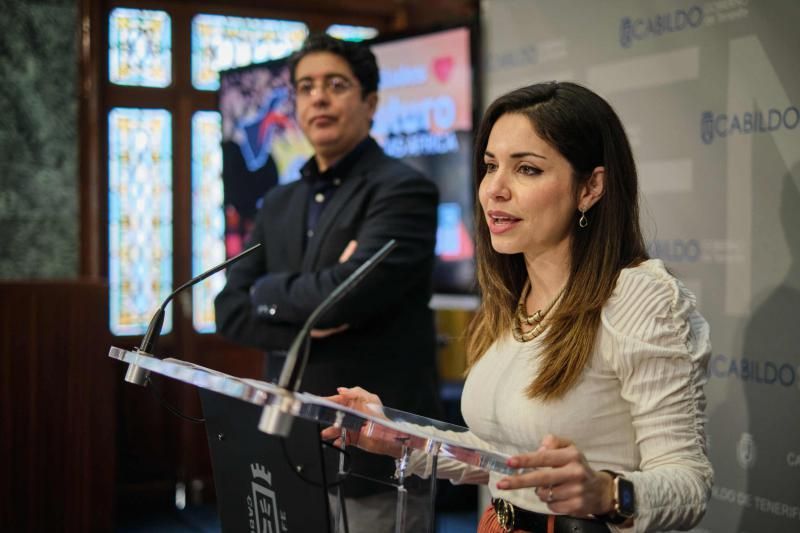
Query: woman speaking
[587,359]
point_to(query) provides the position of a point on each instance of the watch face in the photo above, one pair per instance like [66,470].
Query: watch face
[625,497]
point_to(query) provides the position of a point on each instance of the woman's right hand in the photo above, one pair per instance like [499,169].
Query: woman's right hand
[372,437]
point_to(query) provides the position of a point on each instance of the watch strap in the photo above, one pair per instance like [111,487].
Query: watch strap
[617,515]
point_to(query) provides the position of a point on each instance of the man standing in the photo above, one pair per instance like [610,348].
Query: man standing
[350,200]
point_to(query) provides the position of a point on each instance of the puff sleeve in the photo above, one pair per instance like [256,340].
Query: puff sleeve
[659,349]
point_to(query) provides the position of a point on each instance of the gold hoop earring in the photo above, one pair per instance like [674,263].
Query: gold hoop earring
[583,221]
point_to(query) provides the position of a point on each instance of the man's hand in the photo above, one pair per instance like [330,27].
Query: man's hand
[322,333]
[348,251]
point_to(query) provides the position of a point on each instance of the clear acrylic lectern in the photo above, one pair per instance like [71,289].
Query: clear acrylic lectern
[249,496]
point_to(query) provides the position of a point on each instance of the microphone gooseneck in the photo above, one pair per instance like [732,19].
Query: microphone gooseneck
[276,416]
[154,329]
[293,368]
[136,374]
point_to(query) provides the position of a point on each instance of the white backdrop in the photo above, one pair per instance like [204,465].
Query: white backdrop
[709,92]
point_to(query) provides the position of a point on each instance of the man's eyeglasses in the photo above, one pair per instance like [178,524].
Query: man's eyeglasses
[335,85]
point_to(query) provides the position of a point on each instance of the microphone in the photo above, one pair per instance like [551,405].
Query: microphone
[135,374]
[273,418]
[292,373]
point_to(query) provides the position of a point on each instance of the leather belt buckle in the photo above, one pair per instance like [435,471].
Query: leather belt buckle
[504,511]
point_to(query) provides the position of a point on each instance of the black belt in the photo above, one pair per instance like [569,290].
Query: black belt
[511,517]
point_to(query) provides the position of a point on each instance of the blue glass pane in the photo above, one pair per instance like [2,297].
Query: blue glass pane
[220,43]
[139,47]
[139,217]
[352,33]
[208,220]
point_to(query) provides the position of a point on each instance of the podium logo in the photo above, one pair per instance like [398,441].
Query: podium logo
[746,451]
[264,516]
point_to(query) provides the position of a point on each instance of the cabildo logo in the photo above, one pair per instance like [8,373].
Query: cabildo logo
[759,503]
[751,371]
[713,125]
[683,19]
[676,250]
[793,459]
[746,451]
[262,505]
[637,29]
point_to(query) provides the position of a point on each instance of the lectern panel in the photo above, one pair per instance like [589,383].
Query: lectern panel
[264,483]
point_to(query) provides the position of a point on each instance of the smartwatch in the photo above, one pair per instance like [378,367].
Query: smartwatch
[624,500]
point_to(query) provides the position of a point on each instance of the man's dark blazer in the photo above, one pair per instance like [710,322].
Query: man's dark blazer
[389,346]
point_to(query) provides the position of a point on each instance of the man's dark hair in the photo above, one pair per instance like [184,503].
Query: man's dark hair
[358,56]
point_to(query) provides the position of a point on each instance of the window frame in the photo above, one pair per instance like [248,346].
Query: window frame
[182,100]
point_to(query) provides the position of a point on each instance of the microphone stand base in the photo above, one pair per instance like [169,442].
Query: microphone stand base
[276,417]
[137,375]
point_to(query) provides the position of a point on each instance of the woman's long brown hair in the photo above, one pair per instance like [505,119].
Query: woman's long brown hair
[588,133]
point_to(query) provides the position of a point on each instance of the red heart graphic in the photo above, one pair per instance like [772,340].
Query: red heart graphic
[442,67]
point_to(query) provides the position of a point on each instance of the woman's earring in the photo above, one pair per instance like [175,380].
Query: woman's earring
[583,221]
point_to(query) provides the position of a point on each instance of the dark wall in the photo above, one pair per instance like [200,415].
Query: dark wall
[38,139]
[58,401]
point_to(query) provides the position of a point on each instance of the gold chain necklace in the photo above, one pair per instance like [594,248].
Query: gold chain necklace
[522,317]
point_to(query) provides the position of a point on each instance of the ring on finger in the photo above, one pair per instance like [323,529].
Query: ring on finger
[550,494]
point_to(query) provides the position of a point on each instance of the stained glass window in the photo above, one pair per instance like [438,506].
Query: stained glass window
[208,221]
[352,33]
[140,217]
[220,42]
[139,47]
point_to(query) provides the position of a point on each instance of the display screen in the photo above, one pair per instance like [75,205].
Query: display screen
[424,117]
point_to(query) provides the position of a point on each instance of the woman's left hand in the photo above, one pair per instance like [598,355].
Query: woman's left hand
[569,486]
